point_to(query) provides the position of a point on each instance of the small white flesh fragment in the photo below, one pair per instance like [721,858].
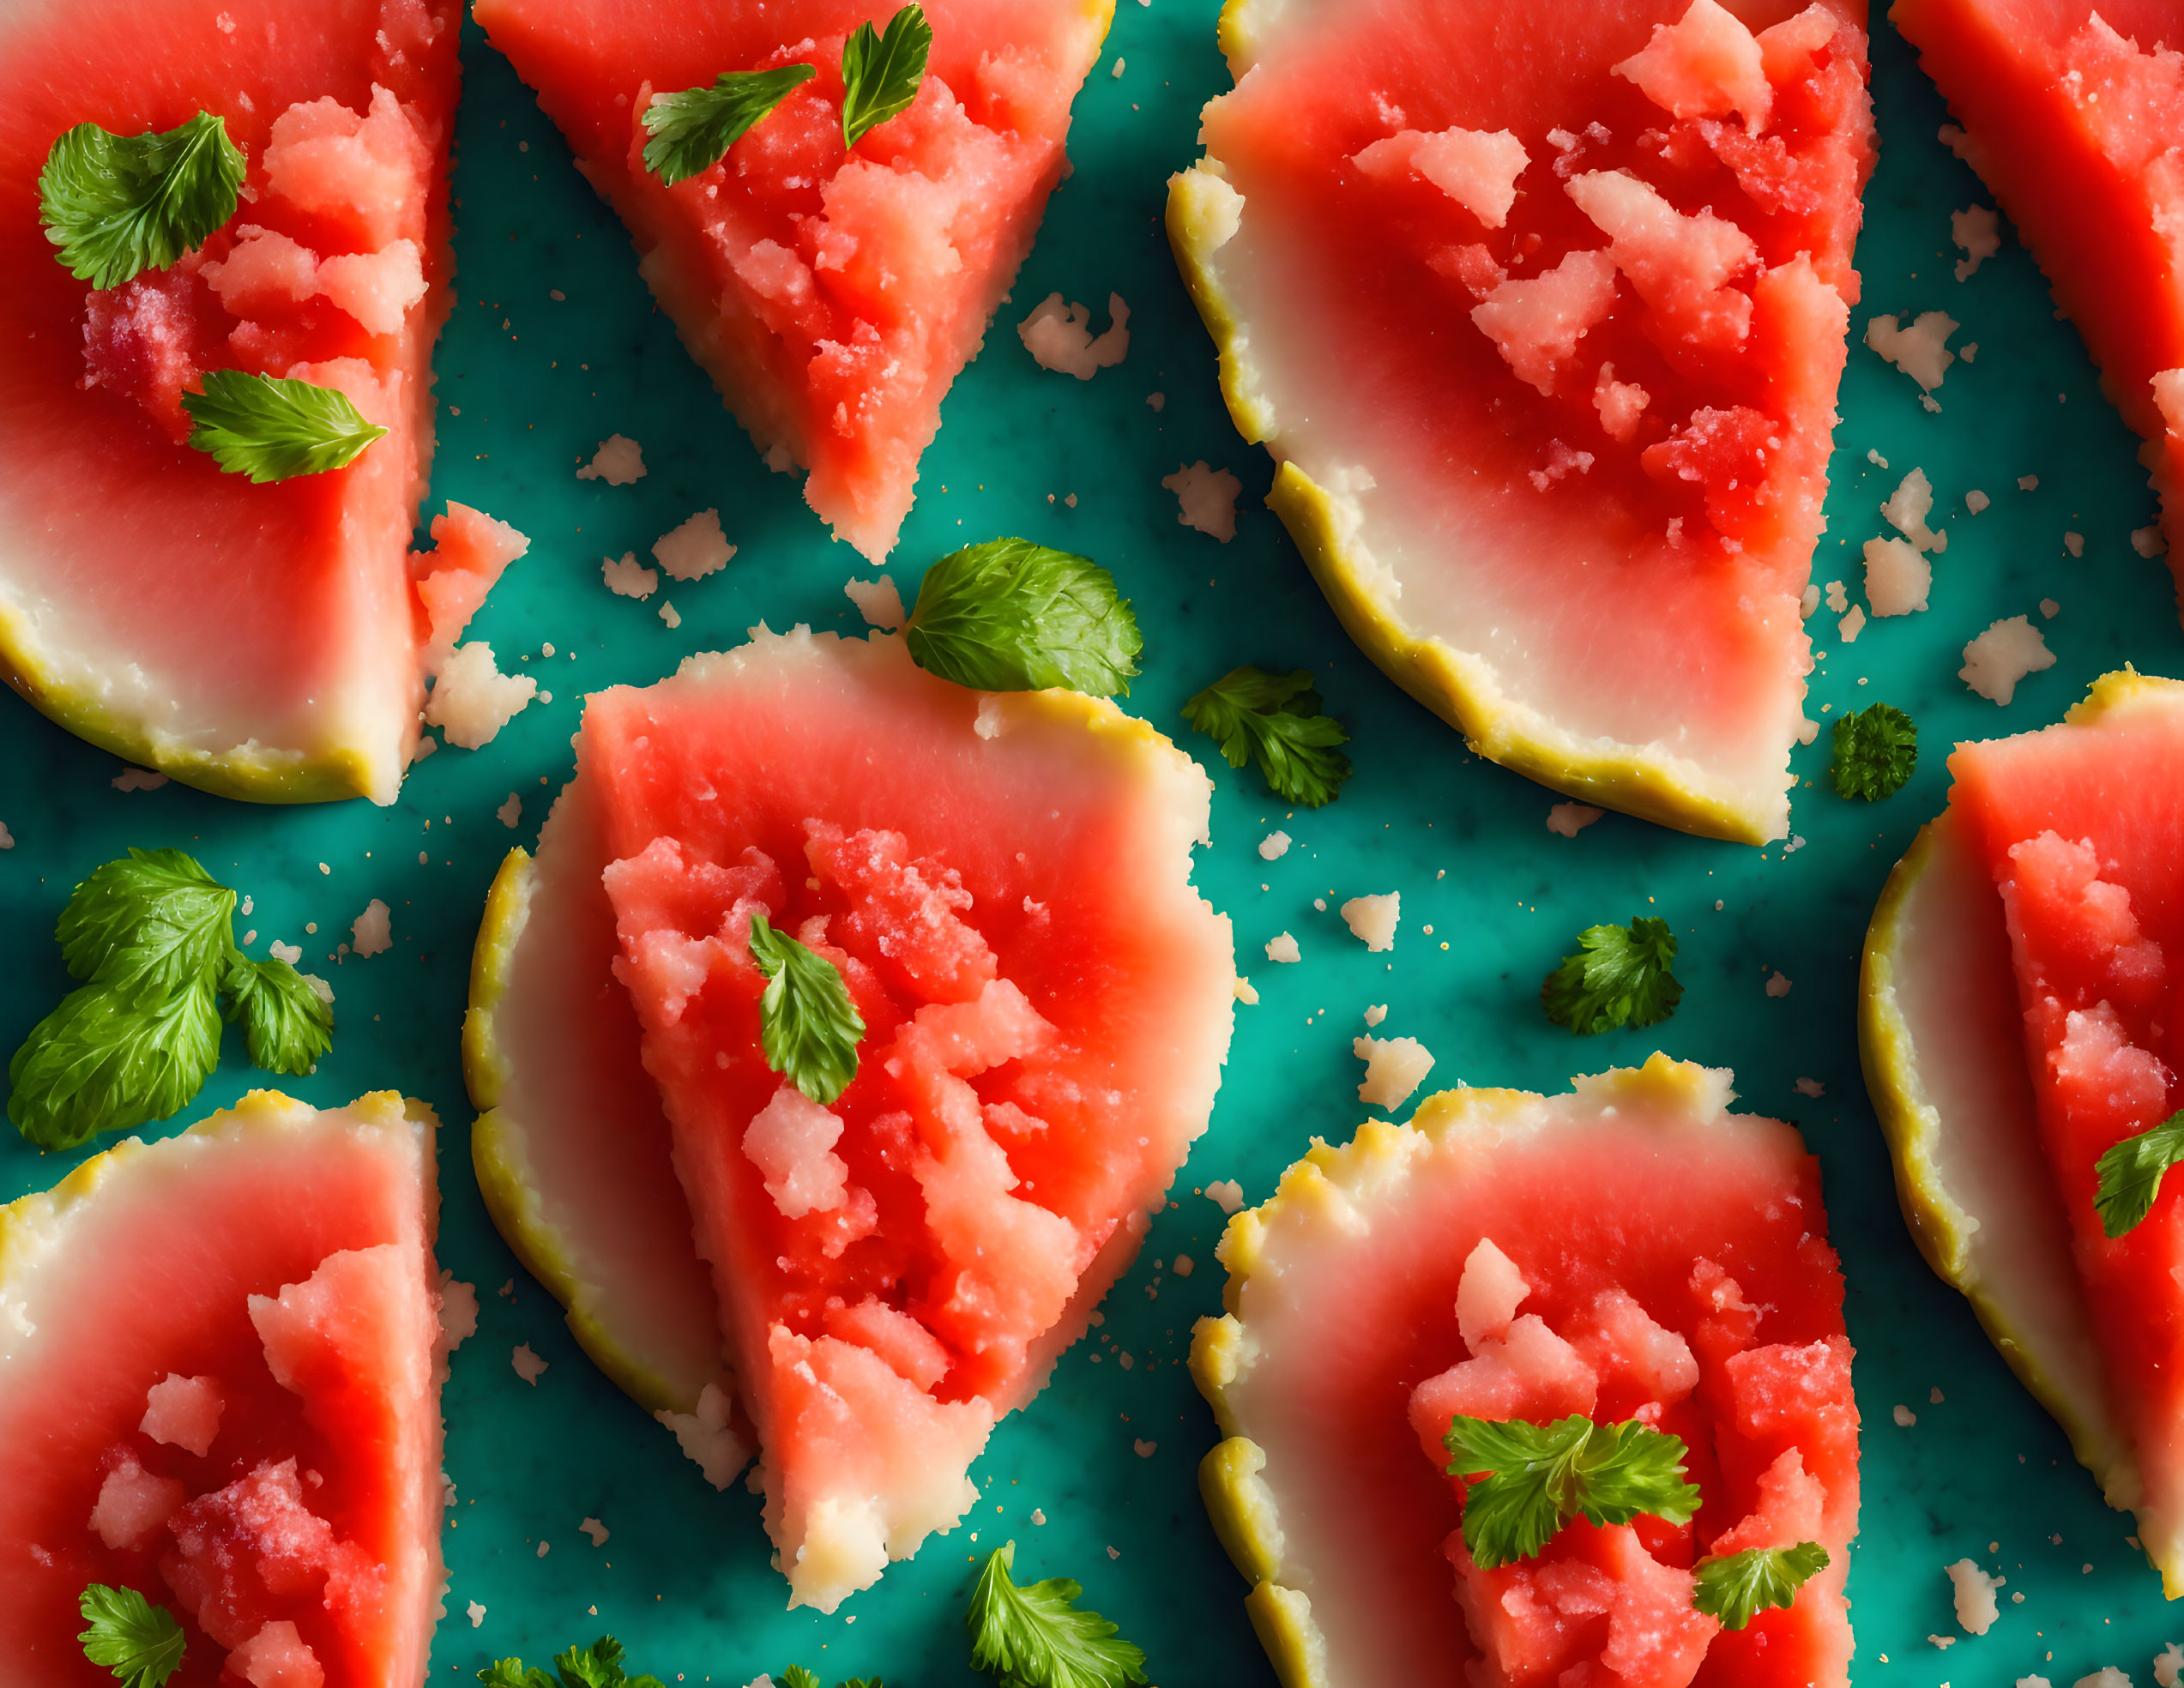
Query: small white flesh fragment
[1225,1194]
[1536,323]
[619,462]
[1777,984]
[510,813]
[1620,403]
[1908,508]
[472,700]
[1208,496]
[1921,351]
[1569,819]
[1246,992]
[133,1506]
[1975,229]
[1898,577]
[626,577]
[372,931]
[138,779]
[2148,541]
[2002,656]
[1376,1013]
[696,549]
[669,614]
[877,601]
[791,1140]
[275,1655]
[596,1530]
[1060,336]
[1274,847]
[2166,1664]
[1394,1067]
[528,1365]
[1488,1294]
[1852,625]
[1707,64]
[1283,948]
[1976,1607]
[184,1412]
[1372,920]
[1476,168]
[707,1439]
[1976,501]
[476,1614]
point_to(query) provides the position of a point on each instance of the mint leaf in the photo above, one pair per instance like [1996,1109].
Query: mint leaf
[1276,718]
[1875,750]
[2131,1173]
[139,1642]
[153,921]
[691,131]
[116,205]
[1035,1636]
[271,428]
[808,1025]
[102,1061]
[287,1024]
[1737,1587]
[1537,1477]
[880,74]
[797,1677]
[1009,615]
[1619,977]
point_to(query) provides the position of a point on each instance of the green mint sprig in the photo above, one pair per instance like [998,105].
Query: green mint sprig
[1875,751]
[807,1024]
[1275,720]
[691,131]
[1011,615]
[2131,1171]
[151,938]
[1737,1587]
[117,205]
[1537,1477]
[880,73]
[140,1644]
[271,428]
[1618,977]
[1037,1636]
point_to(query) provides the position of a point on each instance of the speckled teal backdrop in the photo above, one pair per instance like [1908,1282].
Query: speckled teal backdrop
[530,382]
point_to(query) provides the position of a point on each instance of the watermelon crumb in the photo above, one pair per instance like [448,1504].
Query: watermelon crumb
[371,931]
[477,1613]
[619,462]
[1375,1013]
[1810,1087]
[791,1140]
[2005,654]
[1394,1067]
[1976,1607]
[1921,351]
[134,1506]
[1904,1417]
[1707,64]
[2147,541]
[1976,501]
[1908,508]
[2166,1664]
[1475,168]
[1274,847]
[1225,1194]
[1567,820]
[1898,577]
[879,601]
[1777,986]
[290,953]
[276,1656]
[529,1367]
[629,578]
[696,549]
[184,1412]
[1059,337]
[138,779]
[7,838]
[471,700]
[1245,991]
[1851,625]
[1208,496]
[1372,920]
[1977,230]
[2074,544]
[1283,948]
[669,614]
[709,1438]
[596,1530]
[1183,1266]
[510,813]
[1838,599]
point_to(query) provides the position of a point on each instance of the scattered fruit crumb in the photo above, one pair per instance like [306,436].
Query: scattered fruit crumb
[477,1614]
[1852,625]
[619,462]
[1225,1194]
[1838,599]
[1777,986]
[471,700]
[596,1530]
[2147,541]
[2074,544]
[696,549]
[1810,1087]
[1976,1607]
[2049,608]
[1283,948]
[2002,656]
[1975,229]
[877,600]
[1274,847]
[1372,920]
[1039,1515]
[7,838]
[1898,577]
[138,779]
[528,1364]
[1976,501]
[372,931]
[511,812]
[1394,1067]
[1208,498]
[669,614]
[1183,1266]
[290,953]
[1569,819]
[1921,351]
[1059,337]
[1376,1013]
[1246,992]
[1904,1417]
[2028,483]
[629,578]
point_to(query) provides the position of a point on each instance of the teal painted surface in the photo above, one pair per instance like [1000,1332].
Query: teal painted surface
[537,382]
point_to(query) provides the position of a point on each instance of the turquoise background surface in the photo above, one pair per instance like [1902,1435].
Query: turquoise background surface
[528,386]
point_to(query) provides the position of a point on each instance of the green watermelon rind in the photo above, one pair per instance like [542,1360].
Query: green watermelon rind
[2054,1356]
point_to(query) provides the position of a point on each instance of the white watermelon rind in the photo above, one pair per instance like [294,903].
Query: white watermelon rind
[2006,1250]
[1333,1189]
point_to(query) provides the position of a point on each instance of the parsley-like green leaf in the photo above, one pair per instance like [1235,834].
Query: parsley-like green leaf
[2131,1174]
[117,205]
[1737,1587]
[103,1061]
[797,1677]
[1539,1477]
[287,1024]
[510,1673]
[1035,1636]
[151,922]
[1618,977]
[691,131]
[1875,750]
[598,1666]
[271,428]
[864,1682]
[808,1025]
[139,1642]
[1276,718]
[1012,616]
[880,74]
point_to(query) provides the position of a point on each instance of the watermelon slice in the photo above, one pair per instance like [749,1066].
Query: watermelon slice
[266,642]
[2069,114]
[1005,881]
[832,294]
[2014,1027]
[1543,325]
[220,1361]
[1518,1257]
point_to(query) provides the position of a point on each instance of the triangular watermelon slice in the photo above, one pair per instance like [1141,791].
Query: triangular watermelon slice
[2060,861]
[268,641]
[1630,1251]
[1542,321]
[832,293]
[220,1361]
[2070,114]
[1004,883]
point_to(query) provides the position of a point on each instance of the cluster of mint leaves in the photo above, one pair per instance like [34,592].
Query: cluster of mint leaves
[1013,615]
[690,131]
[1619,976]
[151,937]
[1535,1479]
[1276,721]
[115,205]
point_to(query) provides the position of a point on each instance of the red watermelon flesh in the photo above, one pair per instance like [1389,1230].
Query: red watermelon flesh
[219,1386]
[2070,112]
[261,641]
[1562,1254]
[1004,884]
[2078,825]
[831,294]
[1566,399]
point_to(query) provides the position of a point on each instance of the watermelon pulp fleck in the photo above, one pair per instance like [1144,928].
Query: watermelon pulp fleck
[831,294]
[2070,112]
[219,1383]
[1512,1256]
[1543,327]
[1004,883]
[268,641]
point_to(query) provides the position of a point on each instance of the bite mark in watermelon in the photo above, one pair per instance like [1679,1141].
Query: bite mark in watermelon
[1004,883]
[2070,111]
[220,1361]
[1542,326]
[832,294]
[1512,1256]
[2047,899]
[266,642]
